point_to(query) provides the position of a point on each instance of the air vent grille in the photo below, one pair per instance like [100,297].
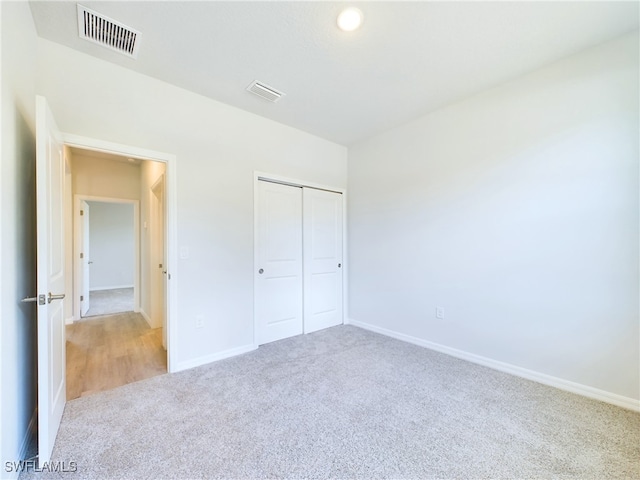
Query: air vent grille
[104,31]
[265,91]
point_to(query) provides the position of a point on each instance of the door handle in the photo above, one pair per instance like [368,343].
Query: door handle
[89,262]
[52,297]
[40,299]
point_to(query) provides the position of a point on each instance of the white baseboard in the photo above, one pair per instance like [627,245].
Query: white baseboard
[31,433]
[28,435]
[113,287]
[214,357]
[573,387]
[146,317]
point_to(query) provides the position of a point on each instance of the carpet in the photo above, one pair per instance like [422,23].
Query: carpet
[107,302]
[344,403]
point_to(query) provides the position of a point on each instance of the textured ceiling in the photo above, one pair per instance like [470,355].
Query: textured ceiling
[407,59]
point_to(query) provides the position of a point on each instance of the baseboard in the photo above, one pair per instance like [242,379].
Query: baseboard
[113,287]
[573,387]
[146,317]
[28,435]
[11,471]
[196,362]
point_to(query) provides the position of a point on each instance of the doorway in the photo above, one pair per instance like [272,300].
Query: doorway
[55,262]
[118,333]
[107,253]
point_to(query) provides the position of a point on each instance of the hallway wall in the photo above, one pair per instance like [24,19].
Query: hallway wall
[112,245]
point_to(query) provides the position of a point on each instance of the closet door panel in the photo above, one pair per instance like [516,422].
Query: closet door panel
[278,275]
[322,240]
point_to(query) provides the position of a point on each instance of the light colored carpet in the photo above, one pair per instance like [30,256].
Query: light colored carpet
[107,302]
[344,403]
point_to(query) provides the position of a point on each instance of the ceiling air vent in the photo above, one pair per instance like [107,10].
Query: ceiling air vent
[265,91]
[104,31]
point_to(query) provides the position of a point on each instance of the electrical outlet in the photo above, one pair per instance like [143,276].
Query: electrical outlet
[440,312]
[199,321]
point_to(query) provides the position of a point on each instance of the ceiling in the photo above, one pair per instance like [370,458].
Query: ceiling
[407,59]
[80,152]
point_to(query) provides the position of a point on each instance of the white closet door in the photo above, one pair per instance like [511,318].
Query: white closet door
[278,275]
[322,259]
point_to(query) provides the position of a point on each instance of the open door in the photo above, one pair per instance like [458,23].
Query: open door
[50,271]
[85,259]
[158,258]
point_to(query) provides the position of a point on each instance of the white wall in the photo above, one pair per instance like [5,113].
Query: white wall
[100,177]
[517,211]
[218,147]
[112,245]
[17,234]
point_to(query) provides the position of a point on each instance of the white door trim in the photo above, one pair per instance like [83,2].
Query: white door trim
[171,223]
[78,247]
[296,182]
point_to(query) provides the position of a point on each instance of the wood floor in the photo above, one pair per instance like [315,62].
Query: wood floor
[111,351]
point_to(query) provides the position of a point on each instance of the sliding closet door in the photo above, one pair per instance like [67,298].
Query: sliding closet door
[278,276]
[322,218]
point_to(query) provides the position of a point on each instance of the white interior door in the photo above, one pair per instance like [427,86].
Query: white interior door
[278,275]
[85,258]
[158,262]
[51,284]
[322,259]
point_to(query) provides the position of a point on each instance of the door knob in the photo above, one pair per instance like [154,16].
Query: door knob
[261,271]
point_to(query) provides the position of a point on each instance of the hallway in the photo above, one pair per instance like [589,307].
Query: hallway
[110,351]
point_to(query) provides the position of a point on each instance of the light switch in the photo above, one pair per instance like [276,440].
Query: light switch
[184,252]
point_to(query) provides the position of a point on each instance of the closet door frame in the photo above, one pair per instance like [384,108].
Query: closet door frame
[294,182]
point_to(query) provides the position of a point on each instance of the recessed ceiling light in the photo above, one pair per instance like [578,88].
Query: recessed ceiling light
[350,19]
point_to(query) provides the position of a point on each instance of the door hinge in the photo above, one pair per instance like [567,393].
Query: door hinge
[81,212]
[82,255]
[82,298]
